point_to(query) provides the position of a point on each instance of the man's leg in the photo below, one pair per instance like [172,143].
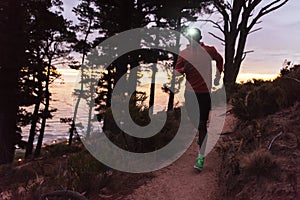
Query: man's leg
[199,120]
[205,107]
[191,101]
[201,141]
[202,138]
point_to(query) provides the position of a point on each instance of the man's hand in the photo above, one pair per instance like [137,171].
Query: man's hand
[217,81]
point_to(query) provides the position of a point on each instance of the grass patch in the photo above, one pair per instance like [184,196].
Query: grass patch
[60,149]
[259,163]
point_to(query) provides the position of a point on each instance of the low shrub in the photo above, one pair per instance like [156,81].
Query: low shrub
[259,163]
[60,149]
[257,98]
[85,170]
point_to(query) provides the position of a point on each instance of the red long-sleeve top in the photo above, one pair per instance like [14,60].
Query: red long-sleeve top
[196,63]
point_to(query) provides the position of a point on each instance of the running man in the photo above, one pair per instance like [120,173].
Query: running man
[198,73]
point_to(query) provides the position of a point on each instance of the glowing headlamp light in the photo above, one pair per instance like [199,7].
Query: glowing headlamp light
[192,31]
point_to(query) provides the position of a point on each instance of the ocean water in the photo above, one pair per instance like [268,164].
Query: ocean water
[63,100]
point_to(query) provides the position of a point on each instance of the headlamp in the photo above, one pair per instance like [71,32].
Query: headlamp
[192,31]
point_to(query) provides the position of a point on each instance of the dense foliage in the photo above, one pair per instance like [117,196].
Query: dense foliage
[257,98]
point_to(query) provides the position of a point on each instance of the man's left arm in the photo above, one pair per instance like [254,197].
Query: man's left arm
[216,56]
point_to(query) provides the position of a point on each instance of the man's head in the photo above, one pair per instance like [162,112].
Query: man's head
[194,34]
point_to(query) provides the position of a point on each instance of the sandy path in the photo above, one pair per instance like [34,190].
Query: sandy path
[179,181]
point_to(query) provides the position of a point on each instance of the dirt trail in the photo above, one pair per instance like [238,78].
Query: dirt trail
[179,180]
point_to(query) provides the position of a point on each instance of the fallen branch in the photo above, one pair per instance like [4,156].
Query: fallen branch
[64,193]
[291,78]
[273,140]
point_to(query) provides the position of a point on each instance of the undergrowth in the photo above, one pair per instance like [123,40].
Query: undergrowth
[257,98]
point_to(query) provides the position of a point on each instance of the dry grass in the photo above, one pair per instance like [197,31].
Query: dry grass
[260,163]
[250,171]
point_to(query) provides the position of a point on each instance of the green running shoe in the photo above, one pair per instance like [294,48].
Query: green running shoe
[199,164]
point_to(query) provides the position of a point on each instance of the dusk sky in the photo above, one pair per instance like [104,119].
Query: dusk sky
[277,41]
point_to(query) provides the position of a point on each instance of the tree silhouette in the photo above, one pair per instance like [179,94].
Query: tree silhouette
[113,17]
[239,19]
[39,28]
[54,46]
[86,15]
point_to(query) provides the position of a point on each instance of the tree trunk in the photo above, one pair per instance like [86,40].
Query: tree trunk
[234,58]
[35,117]
[109,87]
[152,88]
[229,79]
[132,80]
[171,97]
[91,102]
[32,131]
[45,114]
[239,19]
[89,125]
[8,112]
[12,56]
[72,129]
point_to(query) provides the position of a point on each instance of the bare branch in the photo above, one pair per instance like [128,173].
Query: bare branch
[217,37]
[216,24]
[245,54]
[265,10]
[291,78]
[257,29]
[273,140]
[275,7]
[259,22]
[222,9]
[62,63]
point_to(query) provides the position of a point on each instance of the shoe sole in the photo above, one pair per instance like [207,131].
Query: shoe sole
[197,169]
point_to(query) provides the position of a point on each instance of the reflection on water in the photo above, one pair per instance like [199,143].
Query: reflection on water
[62,100]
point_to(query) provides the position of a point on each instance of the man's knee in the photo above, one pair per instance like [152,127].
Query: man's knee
[202,127]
